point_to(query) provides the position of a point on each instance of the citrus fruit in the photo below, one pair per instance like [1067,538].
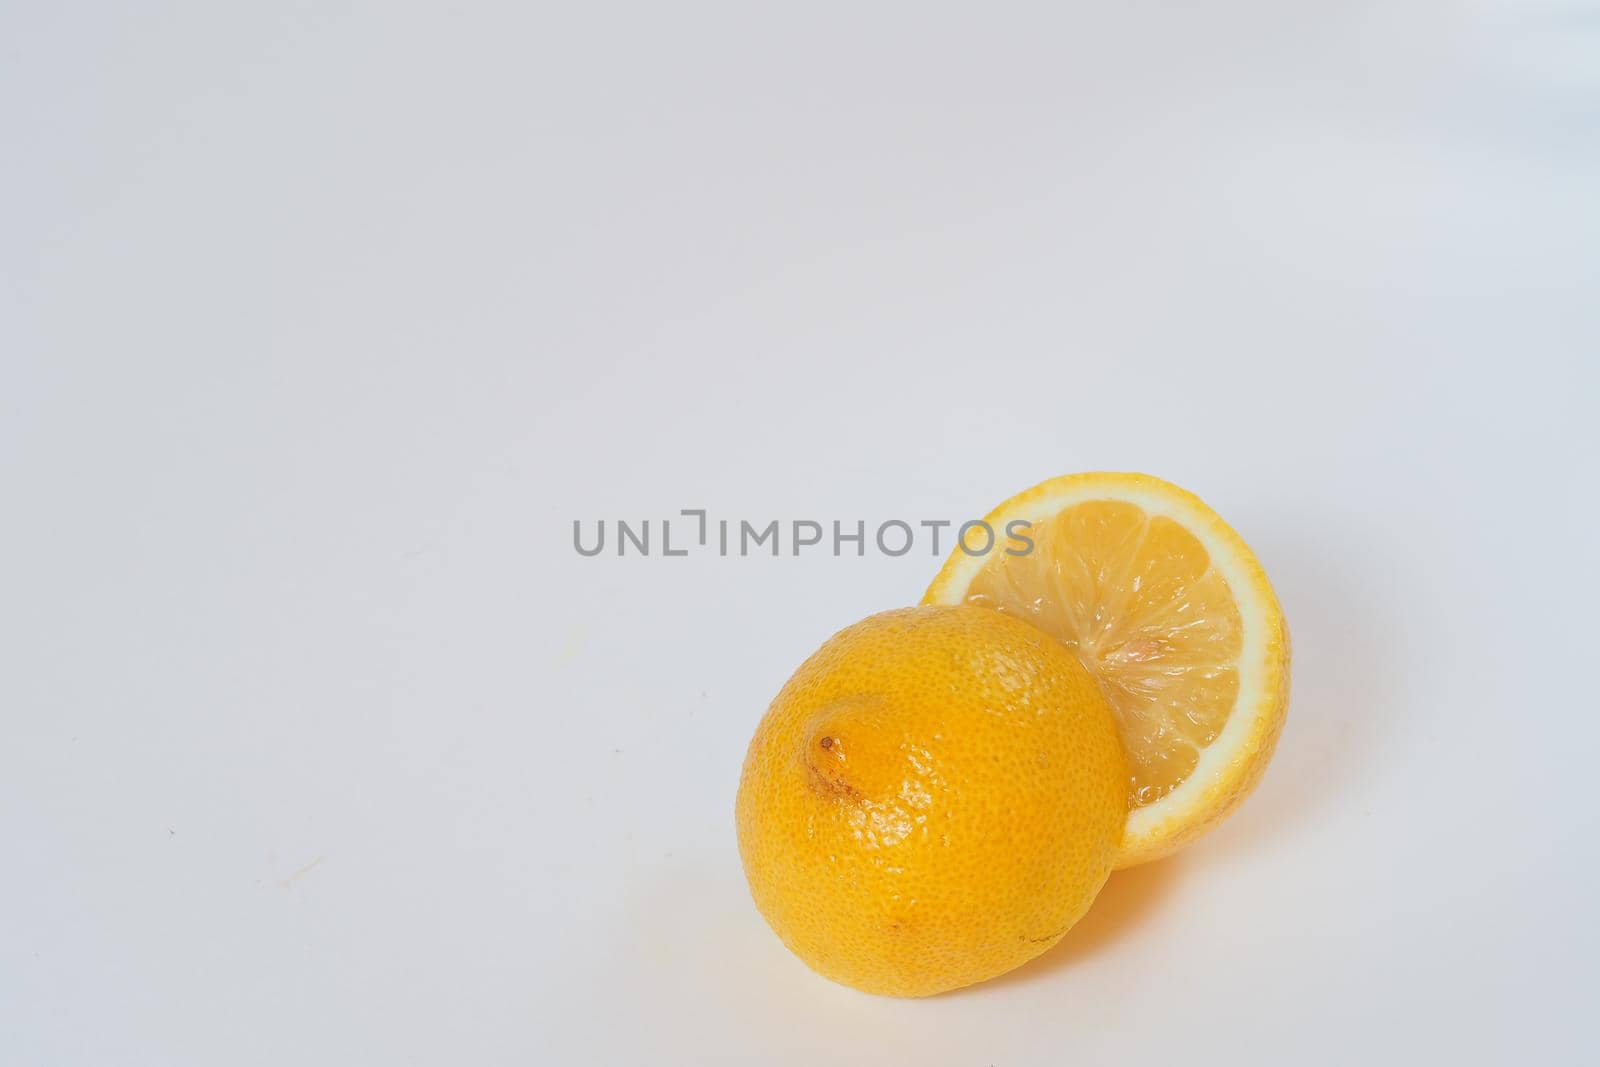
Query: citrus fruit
[935,797]
[1173,616]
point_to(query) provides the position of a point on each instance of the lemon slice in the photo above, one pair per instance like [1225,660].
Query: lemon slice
[1171,612]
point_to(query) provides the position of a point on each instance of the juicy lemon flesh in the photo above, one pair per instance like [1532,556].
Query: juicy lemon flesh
[934,798]
[1136,598]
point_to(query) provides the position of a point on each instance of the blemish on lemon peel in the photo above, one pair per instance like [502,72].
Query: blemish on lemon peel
[828,781]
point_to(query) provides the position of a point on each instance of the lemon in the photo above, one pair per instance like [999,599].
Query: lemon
[934,798]
[1171,612]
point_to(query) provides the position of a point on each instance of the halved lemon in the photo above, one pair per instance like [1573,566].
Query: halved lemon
[1172,614]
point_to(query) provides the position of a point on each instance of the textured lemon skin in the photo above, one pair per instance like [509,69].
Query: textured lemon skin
[934,798]
[1179,820]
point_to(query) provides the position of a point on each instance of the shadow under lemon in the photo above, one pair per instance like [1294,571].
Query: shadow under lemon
[1129,896]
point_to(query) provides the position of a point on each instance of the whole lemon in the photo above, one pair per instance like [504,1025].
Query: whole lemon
[934,798]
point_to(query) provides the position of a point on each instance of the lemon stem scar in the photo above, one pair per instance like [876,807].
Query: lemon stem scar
[828,775]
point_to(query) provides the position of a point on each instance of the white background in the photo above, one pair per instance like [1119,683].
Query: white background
[321,323]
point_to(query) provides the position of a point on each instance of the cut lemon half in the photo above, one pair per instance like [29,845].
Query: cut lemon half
[1171,612]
